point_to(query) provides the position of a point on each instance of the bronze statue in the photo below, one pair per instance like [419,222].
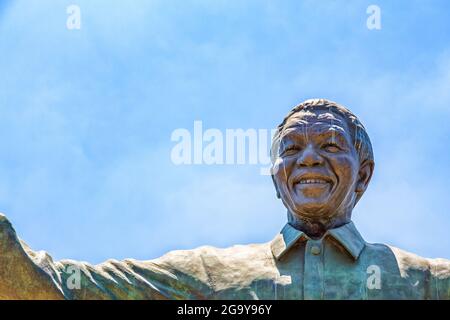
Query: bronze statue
[322,164]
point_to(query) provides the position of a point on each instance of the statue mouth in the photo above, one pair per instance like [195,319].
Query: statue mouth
[312,185]
[311,180]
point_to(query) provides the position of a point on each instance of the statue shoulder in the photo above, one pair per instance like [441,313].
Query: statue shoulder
[407,261]
[438,267]
[211,254]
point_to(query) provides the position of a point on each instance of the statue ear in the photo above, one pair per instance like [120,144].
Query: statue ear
[364,176]
[276,186]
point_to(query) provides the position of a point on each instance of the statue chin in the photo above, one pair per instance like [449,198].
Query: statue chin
[325,209]
[317,214]
[312,210]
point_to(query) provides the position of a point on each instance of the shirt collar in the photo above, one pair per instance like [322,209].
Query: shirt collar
[347,236]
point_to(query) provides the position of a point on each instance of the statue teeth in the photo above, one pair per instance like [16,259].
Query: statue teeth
[311,181]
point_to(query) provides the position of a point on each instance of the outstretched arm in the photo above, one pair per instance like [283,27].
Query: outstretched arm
[25,274]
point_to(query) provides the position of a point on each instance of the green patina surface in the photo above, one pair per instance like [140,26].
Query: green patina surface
[341,265]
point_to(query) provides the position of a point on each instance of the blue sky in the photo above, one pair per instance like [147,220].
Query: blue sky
[86,118]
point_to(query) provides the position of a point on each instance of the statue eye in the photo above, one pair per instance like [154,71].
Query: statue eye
[291,150]
[331,147]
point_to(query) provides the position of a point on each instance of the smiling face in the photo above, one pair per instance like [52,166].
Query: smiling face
[317,172]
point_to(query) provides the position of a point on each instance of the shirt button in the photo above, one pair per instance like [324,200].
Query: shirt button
[315,250]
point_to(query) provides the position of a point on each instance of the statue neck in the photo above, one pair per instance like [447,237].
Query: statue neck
[316,228]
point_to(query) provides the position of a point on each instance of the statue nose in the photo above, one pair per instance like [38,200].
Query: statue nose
[309,157]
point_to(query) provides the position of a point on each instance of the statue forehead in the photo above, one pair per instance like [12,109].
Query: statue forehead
[306,119]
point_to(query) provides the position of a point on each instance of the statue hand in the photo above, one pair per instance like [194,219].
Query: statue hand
[20,277]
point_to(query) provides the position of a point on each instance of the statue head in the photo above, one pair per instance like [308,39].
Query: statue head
[322,164]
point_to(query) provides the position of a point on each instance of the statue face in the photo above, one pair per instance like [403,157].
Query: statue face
[317,170]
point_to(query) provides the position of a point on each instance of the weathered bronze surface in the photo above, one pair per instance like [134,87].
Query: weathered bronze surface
[322,164]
